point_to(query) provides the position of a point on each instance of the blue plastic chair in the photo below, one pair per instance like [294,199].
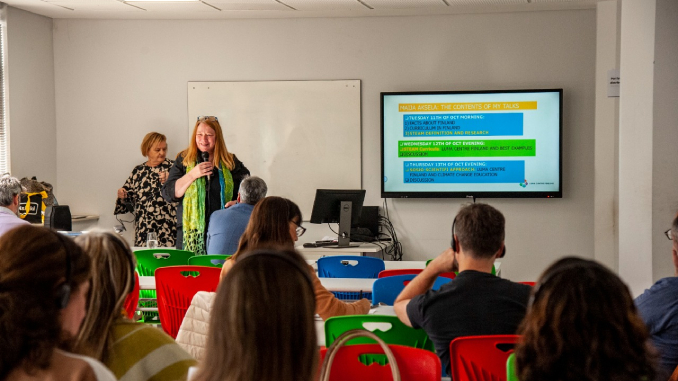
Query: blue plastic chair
[386,290]
[350,266]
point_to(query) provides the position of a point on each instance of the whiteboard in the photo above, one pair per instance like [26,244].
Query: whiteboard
[298,136]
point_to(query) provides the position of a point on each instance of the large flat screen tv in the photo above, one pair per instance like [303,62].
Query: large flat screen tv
[490,144]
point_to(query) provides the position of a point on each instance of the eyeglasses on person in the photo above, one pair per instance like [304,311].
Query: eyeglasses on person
[300,229]
[669,235]
[203,118]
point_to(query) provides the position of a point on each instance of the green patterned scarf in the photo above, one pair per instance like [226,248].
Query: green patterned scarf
[194,208]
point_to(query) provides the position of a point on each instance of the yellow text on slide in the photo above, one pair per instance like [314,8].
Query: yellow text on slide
[478,106]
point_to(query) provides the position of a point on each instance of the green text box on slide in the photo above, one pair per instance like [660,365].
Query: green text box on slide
[467,148]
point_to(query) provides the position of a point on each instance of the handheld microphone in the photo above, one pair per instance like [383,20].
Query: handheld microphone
[206,158]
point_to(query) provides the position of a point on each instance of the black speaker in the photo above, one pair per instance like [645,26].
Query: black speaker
[58,217]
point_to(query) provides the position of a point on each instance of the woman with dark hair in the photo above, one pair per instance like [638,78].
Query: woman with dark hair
[583,325]
[262,325]
[44,283]
[203,179]
[275,223]
[131,350]
[141,194]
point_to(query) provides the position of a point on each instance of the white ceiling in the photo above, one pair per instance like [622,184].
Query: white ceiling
[224,9]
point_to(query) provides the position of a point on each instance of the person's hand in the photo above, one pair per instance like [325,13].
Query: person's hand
[163,176]
[230,203]
[122,193]
[200,170]
[445,262]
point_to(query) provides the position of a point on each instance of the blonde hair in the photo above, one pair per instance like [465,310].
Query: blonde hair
[151,139]
[112,280]
[221,153]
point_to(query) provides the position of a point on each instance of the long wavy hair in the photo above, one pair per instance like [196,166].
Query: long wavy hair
[583,325]
[221,153]
[262,322]
[112,281]
[269,225]
[33,267]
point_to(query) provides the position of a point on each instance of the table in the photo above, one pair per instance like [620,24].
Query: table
[370,249]
[331,284]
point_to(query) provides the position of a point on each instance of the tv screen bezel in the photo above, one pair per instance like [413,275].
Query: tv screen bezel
[507,194]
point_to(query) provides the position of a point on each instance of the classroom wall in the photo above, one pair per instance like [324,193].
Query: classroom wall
[665,135]
[118,79]
[30,75]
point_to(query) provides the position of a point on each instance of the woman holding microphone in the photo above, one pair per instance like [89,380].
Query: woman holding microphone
[141,193]
[204,177]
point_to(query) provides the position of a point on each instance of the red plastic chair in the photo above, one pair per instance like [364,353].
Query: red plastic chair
[176,290]
[414,364]
[481,358]
[529,283]
[394,272]
[132,300]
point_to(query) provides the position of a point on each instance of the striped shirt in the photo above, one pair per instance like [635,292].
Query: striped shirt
[141,352]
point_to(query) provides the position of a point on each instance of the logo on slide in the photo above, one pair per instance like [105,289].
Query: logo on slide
[523,184]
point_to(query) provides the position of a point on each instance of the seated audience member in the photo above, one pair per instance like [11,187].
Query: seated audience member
[262,325]
[582,325]
[228,225]
[658,306]
[44,282]
[10,190]
[476,302]
[133,351]
[275,223]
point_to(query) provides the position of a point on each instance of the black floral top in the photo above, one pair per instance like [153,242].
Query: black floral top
[151,212]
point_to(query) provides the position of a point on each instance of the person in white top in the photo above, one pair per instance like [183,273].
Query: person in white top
[44,283]
[10,189]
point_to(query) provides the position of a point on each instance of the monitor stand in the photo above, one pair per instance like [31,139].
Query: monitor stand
[344,239]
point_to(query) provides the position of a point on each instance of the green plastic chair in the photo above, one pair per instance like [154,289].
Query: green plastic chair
[397,333]
[210,260]
[148,261]
[494,271]
[511,374]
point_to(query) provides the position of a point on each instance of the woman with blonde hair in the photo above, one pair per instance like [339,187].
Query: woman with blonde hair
[44,283]
[582,325]
[262,325]
[204,178]
[131,350]
[141,194]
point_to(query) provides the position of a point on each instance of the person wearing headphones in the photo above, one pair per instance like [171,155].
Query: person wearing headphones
[475,302]
[44,284]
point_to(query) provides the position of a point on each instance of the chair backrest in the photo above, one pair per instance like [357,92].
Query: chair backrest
[414,364]
[132,300]
[481,358]
[388,328]
[176,286]
[349,266]
[511,373]
[151,259]
[211,260]
[386,290]
[529,283]
[394,272]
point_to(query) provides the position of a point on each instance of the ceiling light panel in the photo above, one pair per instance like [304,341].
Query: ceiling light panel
[485,2]
[174,7]
[325,5]
[245,5]
[91,6]
[400,4]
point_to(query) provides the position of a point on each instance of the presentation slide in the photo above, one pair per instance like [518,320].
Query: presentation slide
[471,142]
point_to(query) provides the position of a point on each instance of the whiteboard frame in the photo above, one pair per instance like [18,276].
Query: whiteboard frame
[306,116]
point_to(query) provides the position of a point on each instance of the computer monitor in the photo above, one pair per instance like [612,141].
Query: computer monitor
[338,205]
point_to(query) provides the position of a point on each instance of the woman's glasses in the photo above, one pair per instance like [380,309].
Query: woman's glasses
[300,229]
[203,118]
